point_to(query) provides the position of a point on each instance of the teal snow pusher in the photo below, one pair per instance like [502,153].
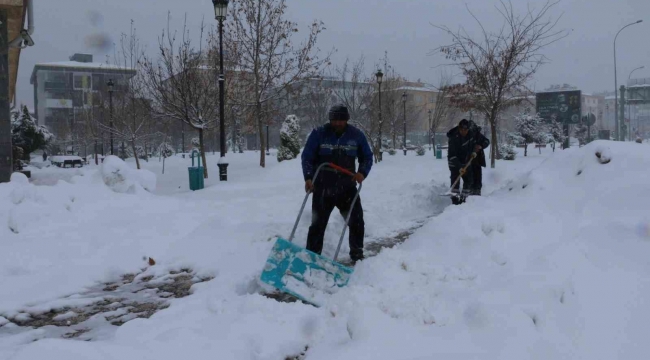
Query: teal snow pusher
[302,273]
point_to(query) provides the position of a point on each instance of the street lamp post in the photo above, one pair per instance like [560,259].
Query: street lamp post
[404,103]
[429,129]
[629,106]
[110,85]
[618,126]
[268,152]
[220,11]
[380,76]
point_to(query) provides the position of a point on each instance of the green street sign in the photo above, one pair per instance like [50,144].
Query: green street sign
[564,106]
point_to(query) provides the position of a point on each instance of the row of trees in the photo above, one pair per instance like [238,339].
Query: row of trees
[176,88]
[355,85]
[531,128]
[266,71]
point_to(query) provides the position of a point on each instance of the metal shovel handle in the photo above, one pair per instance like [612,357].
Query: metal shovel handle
[461,175]
[304,202]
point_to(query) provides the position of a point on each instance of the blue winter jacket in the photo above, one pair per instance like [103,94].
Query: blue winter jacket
[323,145]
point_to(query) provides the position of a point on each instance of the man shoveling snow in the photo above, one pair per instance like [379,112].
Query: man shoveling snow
[341,144]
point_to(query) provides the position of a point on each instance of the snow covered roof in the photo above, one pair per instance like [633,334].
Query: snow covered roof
[94,67]
[77,64]
[416,88]
[638,86]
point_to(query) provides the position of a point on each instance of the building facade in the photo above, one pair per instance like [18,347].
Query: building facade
[13,36]
[637,112]
[64,92]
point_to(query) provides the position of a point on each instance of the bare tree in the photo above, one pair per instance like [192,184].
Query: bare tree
[498,65]
[314,102]
[355,89]
[391,100]
[181,86]
[132,116]
[444,111]
[261,40]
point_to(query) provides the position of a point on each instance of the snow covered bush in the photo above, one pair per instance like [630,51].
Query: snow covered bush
[584,134]
[530,129]
[507,151]
[556,133]
[139,149]
[27,135]
[289,139]
[165,150]
[121,178]
[392,152]
[420,151]
[196,143]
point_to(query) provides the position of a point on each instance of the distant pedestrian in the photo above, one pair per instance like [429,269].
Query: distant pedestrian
[44,155]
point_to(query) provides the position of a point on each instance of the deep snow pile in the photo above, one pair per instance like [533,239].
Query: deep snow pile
[550,265]
[121,178]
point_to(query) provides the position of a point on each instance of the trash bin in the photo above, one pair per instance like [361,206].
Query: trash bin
[196,173]
[223,169]
[438,152]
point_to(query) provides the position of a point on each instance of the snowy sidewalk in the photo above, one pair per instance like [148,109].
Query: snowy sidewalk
[224,232]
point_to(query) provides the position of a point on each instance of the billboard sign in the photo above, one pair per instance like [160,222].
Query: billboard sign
[565,106]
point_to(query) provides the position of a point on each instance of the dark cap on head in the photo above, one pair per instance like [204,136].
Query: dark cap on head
[463,124]
[339,112]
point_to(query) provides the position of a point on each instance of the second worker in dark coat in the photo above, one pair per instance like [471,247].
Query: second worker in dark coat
[462,143]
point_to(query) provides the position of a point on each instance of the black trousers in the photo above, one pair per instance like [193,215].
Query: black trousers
[323,202]
[468,180]
[477,181]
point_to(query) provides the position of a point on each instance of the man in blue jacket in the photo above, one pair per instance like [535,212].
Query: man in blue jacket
[341,144]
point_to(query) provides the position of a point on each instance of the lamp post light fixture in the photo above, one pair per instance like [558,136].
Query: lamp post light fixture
[220,11]
[110,85]
[618,125]
[404,141]
[380,77]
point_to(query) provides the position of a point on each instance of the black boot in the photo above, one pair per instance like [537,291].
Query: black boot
[356,255]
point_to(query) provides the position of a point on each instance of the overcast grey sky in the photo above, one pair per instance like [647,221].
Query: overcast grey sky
[364,27]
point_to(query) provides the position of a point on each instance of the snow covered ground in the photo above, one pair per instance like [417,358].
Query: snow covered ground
[551,263]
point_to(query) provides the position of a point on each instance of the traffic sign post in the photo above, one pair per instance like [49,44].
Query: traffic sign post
[563,106]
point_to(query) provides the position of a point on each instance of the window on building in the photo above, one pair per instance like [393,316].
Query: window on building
[57,94]
[77,98]
[98,82]
[88,98]
[55,80]
[82,82]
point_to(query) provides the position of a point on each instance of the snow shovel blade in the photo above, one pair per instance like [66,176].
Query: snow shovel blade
[304,274]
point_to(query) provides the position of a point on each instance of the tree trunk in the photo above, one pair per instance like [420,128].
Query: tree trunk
[96,159]
[261,134]
[540,149]
[202,150]
[183,137]
[135,154]
[495,146]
